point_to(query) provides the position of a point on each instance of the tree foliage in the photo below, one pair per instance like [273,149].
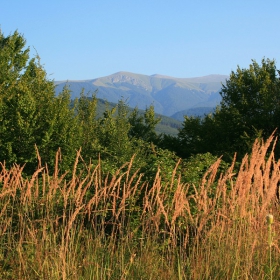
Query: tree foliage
[250,108]
[34,119]
[31,114]
[143,126]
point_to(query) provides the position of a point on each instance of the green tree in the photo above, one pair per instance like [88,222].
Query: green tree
[190,137]
[63,132]
[250,108]
[13,59]
[113,135]
[143,125]
[86,110]
[30,113]
[26,100]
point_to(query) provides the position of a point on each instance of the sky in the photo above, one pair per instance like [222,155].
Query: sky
[88,39]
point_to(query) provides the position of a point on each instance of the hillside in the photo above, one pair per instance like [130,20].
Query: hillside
[168,95]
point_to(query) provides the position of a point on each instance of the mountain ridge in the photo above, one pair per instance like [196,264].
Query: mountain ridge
[168,95]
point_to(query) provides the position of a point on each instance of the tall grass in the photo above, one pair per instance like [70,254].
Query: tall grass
[97,226]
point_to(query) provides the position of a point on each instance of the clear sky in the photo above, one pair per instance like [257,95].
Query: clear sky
[87,39]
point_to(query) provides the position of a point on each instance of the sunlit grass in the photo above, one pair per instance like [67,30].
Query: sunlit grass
[98,226]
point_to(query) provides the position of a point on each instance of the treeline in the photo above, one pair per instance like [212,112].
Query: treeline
[35,123]
[250,109]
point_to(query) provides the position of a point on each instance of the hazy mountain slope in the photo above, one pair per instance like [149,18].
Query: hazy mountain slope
[168,95]
[175,98]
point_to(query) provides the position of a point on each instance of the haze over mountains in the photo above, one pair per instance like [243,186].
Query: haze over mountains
[172,97]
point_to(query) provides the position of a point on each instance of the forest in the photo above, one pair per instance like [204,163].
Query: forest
[90,196]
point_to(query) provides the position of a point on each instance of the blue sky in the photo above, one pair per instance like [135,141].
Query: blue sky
[86,39]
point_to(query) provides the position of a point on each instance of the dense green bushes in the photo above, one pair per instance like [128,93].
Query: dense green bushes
[34,120]
[31,115]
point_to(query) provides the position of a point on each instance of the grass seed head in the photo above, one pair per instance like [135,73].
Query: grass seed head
[269,219]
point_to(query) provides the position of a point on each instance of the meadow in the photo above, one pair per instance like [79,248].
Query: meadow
[87,224]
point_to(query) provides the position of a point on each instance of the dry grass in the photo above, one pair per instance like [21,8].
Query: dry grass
[94,226]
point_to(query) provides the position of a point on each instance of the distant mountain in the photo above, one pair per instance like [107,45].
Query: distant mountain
[168,95]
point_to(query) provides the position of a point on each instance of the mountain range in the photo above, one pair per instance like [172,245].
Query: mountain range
[172,97]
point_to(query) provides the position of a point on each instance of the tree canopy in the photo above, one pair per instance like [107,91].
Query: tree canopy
[33,118]
[250,108]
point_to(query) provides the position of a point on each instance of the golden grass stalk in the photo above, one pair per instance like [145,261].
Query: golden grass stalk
[97,225]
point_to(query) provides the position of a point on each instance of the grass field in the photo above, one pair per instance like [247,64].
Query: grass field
[90,225]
